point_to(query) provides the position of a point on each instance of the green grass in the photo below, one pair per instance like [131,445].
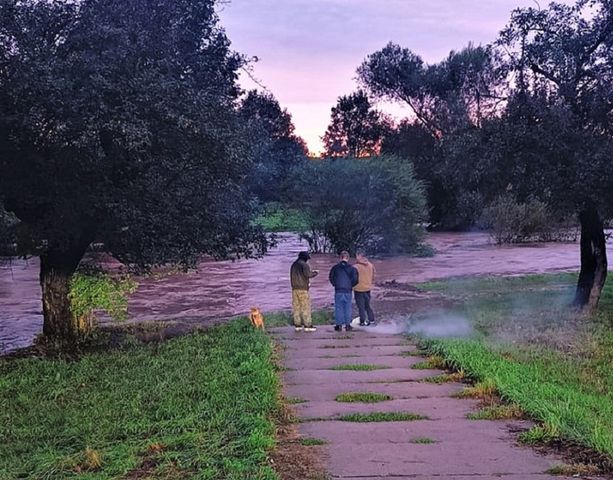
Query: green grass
[381,417]
[310,442]
[547,387]
[199,406]
[534,351]
[364,397]
[423,441]
[281,319]
[431,363]
[359,367]
[497,412]
[445,378]
[278,218]
[295,400]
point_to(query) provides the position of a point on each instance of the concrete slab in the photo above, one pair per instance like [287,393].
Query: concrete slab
[388,375]
[433,408]
[318,363]
[329,391]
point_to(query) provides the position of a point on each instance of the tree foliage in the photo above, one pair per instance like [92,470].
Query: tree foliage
[374,204]
[275,146]
[356,129]
[119,125]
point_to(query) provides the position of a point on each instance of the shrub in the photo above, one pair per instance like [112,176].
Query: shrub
[374,204]
[510,221]
[99,292]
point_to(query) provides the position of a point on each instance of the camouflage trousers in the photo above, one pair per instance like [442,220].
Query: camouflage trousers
[301,308]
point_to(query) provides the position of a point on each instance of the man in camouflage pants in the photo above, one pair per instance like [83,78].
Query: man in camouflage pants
[300,276]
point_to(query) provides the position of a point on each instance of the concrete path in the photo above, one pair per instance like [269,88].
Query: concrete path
[461,448]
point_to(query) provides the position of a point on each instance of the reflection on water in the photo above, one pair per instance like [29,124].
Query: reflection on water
[224,289]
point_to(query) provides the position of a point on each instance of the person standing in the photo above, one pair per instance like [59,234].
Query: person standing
[300,278]
[361,292]
[343,277]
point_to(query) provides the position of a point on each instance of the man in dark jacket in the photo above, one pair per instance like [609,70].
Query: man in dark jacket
[344,277]
[300,275]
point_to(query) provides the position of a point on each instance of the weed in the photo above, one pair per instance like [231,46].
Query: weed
[359,367]
[423,440]
[364,397]
[382,417]
[445,378]
[431,363]
[573,470]
[295,400]
[309,442]
[497,412]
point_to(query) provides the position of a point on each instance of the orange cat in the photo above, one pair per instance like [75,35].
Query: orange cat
[256,317]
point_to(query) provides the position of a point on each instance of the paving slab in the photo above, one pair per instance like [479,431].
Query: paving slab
[386,375]
[433,408]
[329,391]
[462,448]
[316,363]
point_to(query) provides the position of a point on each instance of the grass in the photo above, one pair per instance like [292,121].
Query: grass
[295,400]
[198,406]
[359,367]
[423,441]
[431,363]
[278,218]
[445,378]
[381,417]
[281,319]
[364,397]
[497,412]
[533,351]
[311,442]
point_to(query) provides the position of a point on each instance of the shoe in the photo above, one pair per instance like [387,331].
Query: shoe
[348,328]
[338,328]
[363,324]
[310,329]
[298,329]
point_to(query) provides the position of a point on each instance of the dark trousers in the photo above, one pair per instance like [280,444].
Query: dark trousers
[362,300]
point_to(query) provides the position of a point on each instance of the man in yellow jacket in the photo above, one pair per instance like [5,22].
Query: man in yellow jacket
[361,292]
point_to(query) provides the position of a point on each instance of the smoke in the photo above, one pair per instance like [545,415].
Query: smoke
[435,326]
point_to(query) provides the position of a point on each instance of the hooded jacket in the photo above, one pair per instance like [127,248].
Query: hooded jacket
[344,277]
[366,276]
[300,273]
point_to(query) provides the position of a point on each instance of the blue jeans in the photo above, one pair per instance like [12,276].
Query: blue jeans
[342,308]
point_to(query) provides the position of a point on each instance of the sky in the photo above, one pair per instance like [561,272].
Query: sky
[308,50]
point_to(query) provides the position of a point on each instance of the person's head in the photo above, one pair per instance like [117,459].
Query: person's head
[344,256]
[304,256]
[360,256]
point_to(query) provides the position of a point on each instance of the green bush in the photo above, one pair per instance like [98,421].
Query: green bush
[510,221]
[99,292]
[374,204]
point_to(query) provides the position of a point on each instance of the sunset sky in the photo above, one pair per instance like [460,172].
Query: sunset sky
[309,50]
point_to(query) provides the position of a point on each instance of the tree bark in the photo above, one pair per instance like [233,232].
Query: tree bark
[593,272]
[56,270]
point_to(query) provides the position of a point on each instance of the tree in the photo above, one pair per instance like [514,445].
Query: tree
[564,54]
[356,129]
[378,206]
[119,126]
[276,147]
[445,97]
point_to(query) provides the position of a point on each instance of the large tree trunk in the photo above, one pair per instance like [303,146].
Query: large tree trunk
[56,270]
[593,260]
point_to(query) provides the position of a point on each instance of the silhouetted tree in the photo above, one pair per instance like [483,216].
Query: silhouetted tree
[356,129]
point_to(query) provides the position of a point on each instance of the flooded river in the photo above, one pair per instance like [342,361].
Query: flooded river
[224,289]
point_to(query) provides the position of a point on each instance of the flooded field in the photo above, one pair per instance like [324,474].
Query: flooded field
[224,289]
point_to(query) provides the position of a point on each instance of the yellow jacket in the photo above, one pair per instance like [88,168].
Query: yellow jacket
[366,276]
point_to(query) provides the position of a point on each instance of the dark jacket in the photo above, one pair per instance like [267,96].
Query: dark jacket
[300,273]
[344,277]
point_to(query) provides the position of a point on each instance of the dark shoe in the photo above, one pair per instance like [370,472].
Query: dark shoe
[348,328]
[363,324]
[338,328]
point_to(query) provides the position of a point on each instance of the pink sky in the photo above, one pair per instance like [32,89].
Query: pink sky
[309,50]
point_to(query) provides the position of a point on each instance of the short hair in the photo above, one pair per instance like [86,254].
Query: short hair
[360,253]
[345,254]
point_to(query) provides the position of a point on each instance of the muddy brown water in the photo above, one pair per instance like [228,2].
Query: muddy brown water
[225,289]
